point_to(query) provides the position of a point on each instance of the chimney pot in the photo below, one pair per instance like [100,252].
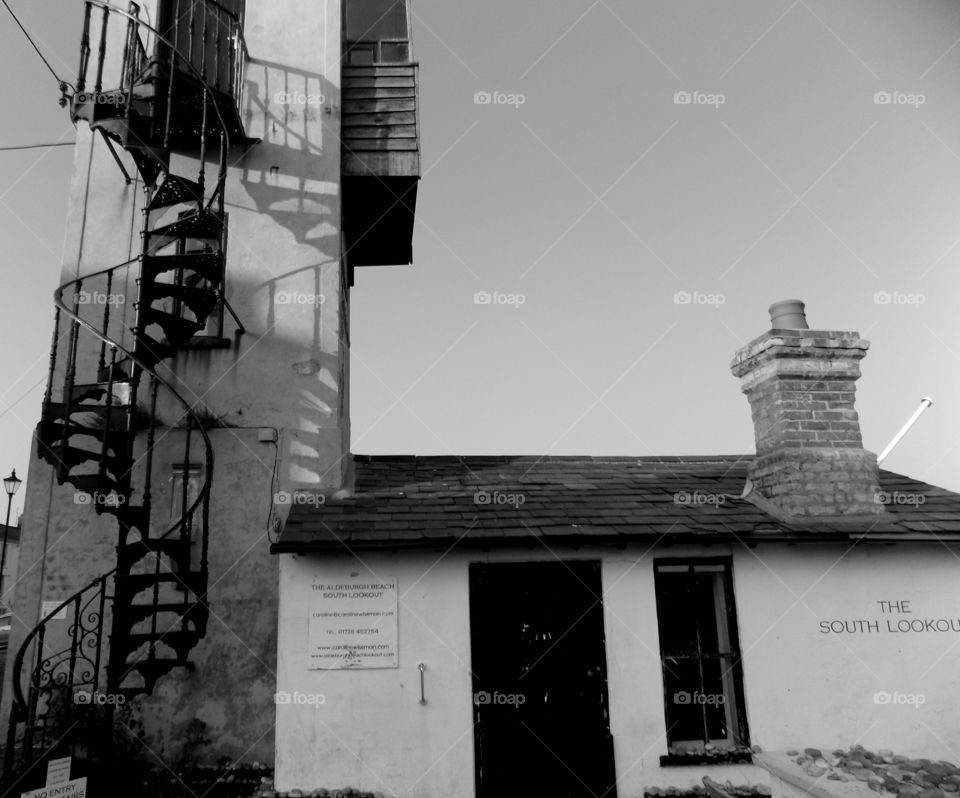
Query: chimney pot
[788,315]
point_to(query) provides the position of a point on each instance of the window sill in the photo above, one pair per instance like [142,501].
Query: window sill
[734,757]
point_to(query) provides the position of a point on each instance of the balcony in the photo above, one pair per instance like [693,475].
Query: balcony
[380,135]
[160,89]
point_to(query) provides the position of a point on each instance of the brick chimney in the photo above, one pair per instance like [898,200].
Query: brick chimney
[810,458]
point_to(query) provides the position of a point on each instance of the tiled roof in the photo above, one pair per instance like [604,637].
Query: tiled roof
[407,501]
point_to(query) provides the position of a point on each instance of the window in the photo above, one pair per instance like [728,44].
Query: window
[376,32]
[194,480]
[700,654]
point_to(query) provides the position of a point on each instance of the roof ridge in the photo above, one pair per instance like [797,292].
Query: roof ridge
[551,458]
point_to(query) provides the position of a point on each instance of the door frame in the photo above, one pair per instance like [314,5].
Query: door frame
[588,571]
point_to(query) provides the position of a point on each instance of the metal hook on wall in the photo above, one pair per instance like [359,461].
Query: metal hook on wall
[423,697]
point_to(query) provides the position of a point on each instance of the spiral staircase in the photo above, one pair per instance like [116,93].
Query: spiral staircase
[176,92]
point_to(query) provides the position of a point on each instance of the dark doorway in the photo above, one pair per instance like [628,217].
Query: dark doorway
[541,720]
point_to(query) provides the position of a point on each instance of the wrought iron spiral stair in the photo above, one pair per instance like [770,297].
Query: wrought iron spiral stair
[139,620]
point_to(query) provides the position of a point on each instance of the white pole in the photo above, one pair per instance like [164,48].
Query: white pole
[924,404]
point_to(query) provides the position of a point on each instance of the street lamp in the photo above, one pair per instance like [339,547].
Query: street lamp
[11,485]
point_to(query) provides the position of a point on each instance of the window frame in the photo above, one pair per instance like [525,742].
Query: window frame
[738,738]
[195,476]
[349,46]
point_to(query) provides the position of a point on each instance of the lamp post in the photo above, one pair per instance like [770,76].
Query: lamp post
[11,485]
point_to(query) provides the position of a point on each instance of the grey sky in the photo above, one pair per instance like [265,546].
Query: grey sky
[598,199]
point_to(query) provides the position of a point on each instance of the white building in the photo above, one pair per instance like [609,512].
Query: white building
[505,626]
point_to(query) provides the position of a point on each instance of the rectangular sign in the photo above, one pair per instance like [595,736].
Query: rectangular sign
[69,789]
[58,771]
[353,623]
[50,606]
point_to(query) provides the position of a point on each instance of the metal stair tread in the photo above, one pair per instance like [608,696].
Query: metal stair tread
[92,483]
[151,350]
[200,300]
[176,189]
[204,225]
[54,422]
[198,262]
[164,318]
[120,390]
[74,455]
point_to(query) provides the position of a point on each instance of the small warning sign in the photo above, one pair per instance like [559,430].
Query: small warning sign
[77,788]
[58,771]
[49,606]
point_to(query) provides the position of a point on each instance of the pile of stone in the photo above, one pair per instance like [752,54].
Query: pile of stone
[882,771]
[224,780]
[266,791]
[735,790]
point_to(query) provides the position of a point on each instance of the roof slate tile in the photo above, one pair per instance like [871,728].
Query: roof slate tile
[403,499]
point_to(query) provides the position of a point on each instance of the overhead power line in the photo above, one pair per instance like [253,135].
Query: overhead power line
[33,44]
[37,146]
[23,396]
